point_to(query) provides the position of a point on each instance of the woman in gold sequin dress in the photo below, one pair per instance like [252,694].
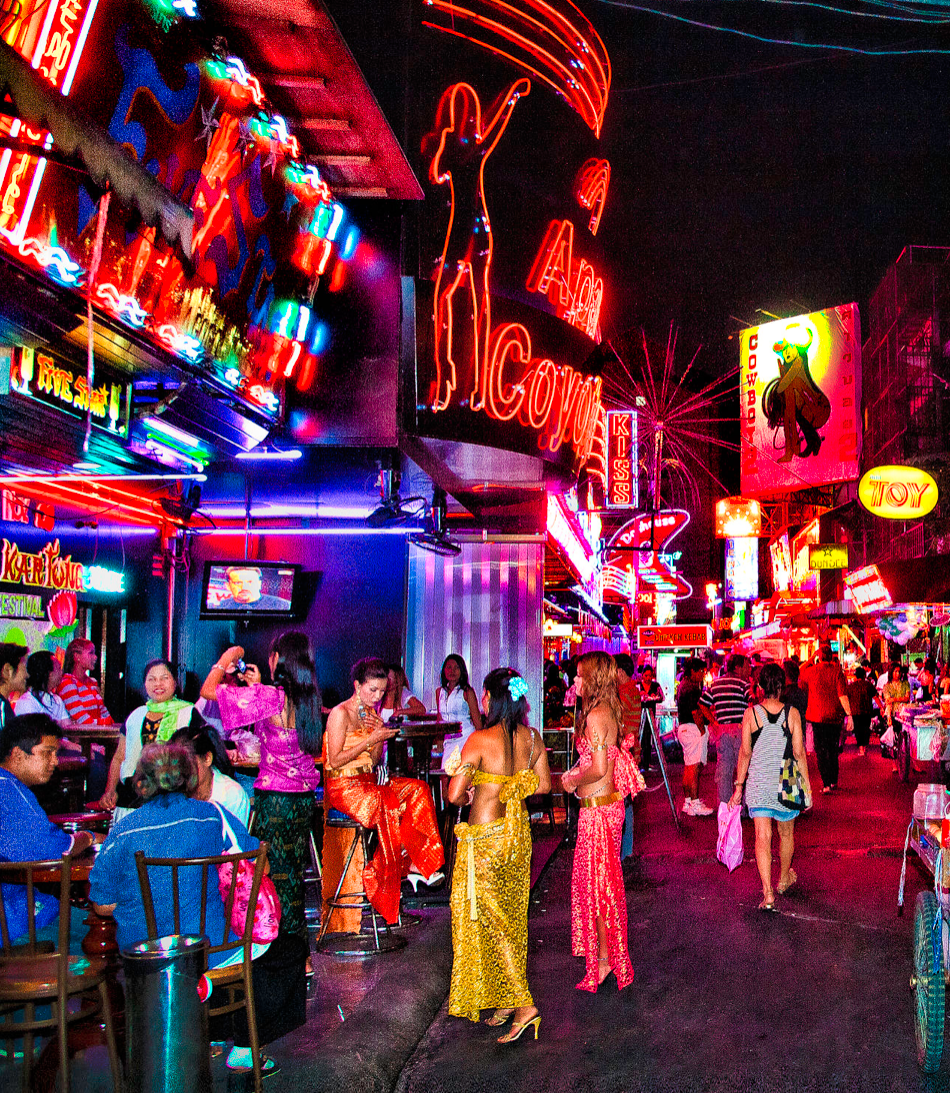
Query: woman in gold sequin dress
[500,766]
[601,779]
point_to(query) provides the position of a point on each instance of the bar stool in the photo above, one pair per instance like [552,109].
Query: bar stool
[361,944]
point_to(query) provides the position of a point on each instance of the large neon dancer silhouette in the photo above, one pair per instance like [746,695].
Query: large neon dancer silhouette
[465,144]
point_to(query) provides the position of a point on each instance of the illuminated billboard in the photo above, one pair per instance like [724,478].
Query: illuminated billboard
[737,518]
[742,569]
[828,556]
[800,392]
[867,589]
[781,555]
[898,493]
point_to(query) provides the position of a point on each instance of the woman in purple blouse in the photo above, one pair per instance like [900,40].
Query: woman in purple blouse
[287,720]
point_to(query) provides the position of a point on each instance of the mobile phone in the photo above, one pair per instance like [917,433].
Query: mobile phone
[241,667]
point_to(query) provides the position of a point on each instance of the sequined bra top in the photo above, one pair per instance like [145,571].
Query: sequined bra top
[362,764]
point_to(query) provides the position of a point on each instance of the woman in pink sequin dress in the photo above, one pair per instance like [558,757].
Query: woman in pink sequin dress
[601,779]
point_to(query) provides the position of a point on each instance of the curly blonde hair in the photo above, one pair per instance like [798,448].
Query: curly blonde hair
[165,768]
[600,686]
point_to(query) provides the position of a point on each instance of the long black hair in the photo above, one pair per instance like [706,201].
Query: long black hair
[463,672]
[203,738]
[503,707]
[39,667]
[296,675]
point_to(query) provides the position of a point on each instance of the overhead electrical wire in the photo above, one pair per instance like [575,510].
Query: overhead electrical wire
[858,50]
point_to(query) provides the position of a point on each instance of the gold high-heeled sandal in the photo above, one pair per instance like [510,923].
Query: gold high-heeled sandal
[517,1030]
[499,1017]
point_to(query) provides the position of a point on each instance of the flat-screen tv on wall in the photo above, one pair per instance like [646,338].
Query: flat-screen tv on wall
[249,590]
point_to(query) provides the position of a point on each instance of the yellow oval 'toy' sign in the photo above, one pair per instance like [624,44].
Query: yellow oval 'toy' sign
[898,493]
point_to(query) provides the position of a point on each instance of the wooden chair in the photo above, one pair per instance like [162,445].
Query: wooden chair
[31,975]
[235,979]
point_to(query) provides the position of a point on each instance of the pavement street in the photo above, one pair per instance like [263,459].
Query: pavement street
[726,998]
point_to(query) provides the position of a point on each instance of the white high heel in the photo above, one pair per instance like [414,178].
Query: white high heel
[415,879]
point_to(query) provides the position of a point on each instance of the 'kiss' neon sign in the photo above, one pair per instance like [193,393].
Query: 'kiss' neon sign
[492,367]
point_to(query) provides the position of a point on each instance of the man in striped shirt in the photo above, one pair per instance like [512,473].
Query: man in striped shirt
[724,702]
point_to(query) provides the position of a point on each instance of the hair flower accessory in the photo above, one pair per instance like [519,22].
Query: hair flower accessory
[517,687]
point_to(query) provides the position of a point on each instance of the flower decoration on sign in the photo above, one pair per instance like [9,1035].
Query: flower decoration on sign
[517,687]
[62,614]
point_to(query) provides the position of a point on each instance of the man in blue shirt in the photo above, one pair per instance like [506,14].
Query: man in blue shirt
[28,747]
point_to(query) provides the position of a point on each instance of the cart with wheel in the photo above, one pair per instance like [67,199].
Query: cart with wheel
[929,830]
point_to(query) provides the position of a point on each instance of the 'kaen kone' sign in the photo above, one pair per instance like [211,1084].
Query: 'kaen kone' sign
[45,569]
[898,493]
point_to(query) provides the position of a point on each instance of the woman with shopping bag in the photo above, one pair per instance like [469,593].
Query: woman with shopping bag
[773,771]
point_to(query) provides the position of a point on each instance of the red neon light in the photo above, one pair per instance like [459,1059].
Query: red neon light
[597,462]
[92,496]
[590,189]
[572,287]
[620,458]
[553,42]
[460,162]
[559,402]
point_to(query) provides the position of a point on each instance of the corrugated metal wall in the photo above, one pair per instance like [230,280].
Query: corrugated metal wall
[484,605]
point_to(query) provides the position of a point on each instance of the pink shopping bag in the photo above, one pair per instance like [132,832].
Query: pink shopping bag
[729,843]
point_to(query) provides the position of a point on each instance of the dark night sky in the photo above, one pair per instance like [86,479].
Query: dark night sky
[765,182]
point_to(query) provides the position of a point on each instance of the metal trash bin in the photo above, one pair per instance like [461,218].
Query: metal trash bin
[166,1024]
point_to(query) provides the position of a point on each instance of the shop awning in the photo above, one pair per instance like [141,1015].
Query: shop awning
[107,163]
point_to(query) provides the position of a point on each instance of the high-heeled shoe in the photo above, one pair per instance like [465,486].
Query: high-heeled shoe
[415,879]
[516,1030]
[499,1017]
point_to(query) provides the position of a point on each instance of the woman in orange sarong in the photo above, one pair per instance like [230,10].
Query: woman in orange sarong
[400,810]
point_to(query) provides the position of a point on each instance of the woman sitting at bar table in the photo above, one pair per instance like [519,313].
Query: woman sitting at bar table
[398,698]
[215,772]
[399,809]
[78,690]
[162,715]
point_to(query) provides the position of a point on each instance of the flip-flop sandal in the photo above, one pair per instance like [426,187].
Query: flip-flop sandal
[792,879]
[770,907]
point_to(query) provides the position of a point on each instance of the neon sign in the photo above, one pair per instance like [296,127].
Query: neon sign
[646,539]
[622,489]
[737,517]
[45,569]
[742,569]
[555,44]
[898,493]
[55,55]
[572,287]
[590,189]
[502,378]
[563,530]
[54,382]
[868,589]
[18,510]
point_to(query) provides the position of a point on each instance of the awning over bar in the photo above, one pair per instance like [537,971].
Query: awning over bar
[106,161]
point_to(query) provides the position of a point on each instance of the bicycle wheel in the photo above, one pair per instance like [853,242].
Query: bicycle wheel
[928,982]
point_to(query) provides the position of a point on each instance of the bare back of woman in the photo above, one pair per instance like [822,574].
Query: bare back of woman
[490,751]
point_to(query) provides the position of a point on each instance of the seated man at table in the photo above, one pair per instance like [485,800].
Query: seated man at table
[28,747]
